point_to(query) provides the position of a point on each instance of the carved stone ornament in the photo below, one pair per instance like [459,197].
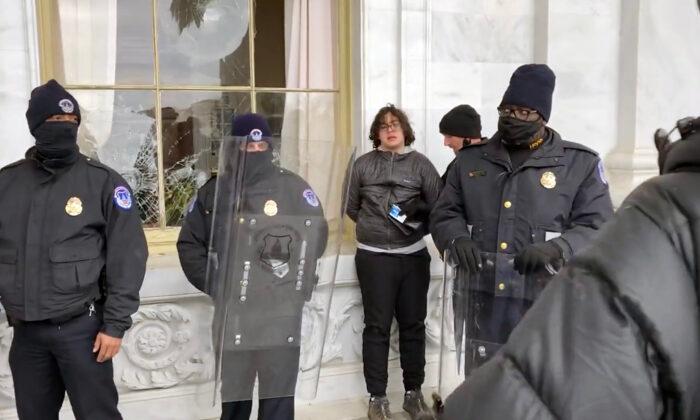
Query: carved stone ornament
[162,351]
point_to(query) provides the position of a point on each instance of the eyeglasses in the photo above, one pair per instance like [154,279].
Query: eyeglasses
[394,126]
[519,113]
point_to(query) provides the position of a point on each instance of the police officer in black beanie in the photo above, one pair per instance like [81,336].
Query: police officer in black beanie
[525,193]
[460,127]
[72,260]
[265,185]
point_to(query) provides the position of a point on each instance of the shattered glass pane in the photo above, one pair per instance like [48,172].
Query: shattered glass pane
[203,42]
[118,129]
[193,125]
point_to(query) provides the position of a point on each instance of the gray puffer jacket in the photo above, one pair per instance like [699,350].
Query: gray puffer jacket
[380,179]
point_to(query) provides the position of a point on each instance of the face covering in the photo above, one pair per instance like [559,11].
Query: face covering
[57,142]
[257,164]
[518,133]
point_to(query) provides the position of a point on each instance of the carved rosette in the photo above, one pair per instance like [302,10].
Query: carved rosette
[161,350]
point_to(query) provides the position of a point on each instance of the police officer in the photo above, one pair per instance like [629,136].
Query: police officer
[268,193]
[72,260]
[525,193]
[460,127]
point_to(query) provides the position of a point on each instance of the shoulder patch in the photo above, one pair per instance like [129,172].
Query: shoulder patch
[310,197]
[122,197]
[601,172]
[191,205]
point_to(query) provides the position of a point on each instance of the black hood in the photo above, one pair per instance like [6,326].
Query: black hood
[681,156]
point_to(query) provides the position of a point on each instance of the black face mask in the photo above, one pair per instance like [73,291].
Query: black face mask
[257,164]
[518,133]
[57,142]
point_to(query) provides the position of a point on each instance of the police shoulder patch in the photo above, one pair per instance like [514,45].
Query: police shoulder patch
[122,197]
[191,205]
[601,172]
[310,197]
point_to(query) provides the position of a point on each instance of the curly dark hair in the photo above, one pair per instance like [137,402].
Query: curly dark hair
[408,134]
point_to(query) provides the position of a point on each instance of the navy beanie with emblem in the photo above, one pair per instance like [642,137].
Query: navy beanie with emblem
[461,121]
[48,100]
[243,124]
[531,86]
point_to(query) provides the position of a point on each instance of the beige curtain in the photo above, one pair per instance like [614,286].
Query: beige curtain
[88,31]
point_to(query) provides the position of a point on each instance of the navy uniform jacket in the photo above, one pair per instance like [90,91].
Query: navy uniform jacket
[558,194]
[286,188]
[69,237]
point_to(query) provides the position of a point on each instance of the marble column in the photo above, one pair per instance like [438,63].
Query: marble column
[19,72]
[658,84]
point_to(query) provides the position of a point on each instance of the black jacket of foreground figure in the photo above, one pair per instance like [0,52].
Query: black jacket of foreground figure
[617,334]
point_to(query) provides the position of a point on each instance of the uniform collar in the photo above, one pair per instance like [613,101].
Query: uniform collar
[548,154]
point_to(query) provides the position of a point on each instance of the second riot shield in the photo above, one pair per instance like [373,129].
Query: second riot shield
[479,312]
[275,240]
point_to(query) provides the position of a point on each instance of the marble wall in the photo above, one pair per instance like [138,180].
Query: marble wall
[18,74]
[624,68]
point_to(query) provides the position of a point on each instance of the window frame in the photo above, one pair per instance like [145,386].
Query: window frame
[162,239]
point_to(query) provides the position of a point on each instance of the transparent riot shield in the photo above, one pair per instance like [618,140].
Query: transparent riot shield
[274,244]
[479,311]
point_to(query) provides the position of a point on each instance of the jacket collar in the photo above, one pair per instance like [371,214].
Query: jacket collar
[547,155]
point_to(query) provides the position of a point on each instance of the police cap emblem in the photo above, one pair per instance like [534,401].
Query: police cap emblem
[256,134]
[66,106]
[548,180]
[122,197]
[74,206]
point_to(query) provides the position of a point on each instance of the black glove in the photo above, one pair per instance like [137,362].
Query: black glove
[536,257]
[466,254]
[415,208]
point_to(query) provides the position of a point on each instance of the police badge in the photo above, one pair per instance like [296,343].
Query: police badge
[74,206]
[548,180]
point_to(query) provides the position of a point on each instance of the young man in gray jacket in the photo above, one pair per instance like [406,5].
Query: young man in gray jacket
[392,190]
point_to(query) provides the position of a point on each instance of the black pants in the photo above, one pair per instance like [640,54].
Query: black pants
[276,370]
[48,359]
[269,409]
[393,285]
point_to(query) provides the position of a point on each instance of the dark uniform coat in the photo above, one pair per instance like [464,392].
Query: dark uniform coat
[559,194]
[617,334]
[69,237]
[261,333]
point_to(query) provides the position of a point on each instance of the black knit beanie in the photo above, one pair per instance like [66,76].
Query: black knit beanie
[531,86]
[461,121]
[48,100]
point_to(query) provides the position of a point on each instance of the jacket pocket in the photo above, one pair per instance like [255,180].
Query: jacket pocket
[8,271]
[75,268]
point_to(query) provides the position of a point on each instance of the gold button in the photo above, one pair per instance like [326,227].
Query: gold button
[504,245]
[501,286]
[507,204]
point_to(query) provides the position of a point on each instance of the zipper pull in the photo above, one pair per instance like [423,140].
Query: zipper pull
[91,309]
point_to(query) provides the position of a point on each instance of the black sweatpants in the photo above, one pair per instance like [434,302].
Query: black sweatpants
[48,359]
[393,285]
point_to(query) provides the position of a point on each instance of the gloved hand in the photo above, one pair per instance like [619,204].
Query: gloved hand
[466,254]
[414,208]
[536,257]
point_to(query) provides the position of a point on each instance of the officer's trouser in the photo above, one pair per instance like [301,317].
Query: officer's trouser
[269,409]
[49,359]
[276,370]
[393,285]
